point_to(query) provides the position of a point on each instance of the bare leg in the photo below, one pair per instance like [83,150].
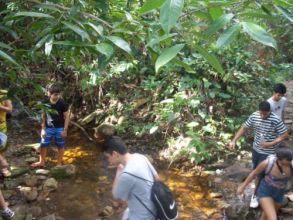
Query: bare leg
[3,204]
[256,182]
[43,155]
[60,156]
[3,162]
[269,210]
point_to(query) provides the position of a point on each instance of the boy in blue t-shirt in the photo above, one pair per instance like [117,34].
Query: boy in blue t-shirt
[55,123]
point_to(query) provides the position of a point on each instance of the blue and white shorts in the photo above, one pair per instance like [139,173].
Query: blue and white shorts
[53,132]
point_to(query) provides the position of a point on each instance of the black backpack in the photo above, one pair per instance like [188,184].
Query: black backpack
[162,198]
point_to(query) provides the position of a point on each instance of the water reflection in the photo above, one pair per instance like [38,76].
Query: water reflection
[87,194]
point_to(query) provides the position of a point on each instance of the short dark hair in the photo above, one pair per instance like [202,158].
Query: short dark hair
[114,143]
[264,106]
[284,153]
[280,88]
[54,88]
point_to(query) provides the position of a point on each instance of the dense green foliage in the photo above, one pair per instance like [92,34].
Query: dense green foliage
[188,68]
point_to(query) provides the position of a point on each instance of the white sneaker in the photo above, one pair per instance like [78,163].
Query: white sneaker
[253,202]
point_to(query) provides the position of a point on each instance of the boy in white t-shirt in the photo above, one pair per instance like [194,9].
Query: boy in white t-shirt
[278,101]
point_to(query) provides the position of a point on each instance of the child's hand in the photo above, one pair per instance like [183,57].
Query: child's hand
[265,144]
[231,145]
[64,134]
[240,190]
[43,133]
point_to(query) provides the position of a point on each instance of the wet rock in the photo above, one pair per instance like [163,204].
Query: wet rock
[290,205]
[43,195]
[7,194]
[41,177]
[63,171]
[237,209]
[218,180]
[49,217]
[237,172]
[287,210]
[30,193]
[290,196]
[35,211]
[30,180]
[11,183]
[21,152]
[42,172]
[50,184]
[31,159]
[29,217]
[34,146]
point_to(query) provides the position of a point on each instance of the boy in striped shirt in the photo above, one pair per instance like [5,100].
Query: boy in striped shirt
[269,130]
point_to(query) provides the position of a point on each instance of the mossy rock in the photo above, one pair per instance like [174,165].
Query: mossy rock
[18,172]
[64,171]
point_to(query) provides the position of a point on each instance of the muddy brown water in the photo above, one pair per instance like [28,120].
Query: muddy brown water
[86,195]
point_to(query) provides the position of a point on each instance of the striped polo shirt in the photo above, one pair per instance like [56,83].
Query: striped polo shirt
[266,130]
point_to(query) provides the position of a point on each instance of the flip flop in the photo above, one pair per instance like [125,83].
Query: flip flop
[37,165]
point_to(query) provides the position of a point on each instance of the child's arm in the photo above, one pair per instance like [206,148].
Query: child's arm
[259,169]
[7,106]
[239,133]
[66,123]
[43,126]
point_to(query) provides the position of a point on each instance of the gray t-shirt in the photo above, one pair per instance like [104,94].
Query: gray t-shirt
[128,186]
[278,107]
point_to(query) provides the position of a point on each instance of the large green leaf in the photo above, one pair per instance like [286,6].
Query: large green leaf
[184,65]
[97,28]
[216,12]
[167,55]
[8,30]
[71,43]
[78,30]
[169,14]
[212,59]
[119,42]
[228,35]
[105,49]
[32,14]
[5,56]
[259,34]
[218,24]
[157,40]
[284,3]
[151,5]
[6,46]
[285,12]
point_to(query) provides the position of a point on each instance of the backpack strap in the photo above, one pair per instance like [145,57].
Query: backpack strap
[138,177]
[150,211]
[141,202]
[271,160]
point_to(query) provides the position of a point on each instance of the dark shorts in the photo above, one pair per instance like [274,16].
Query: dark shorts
[53,132]
[257,158]
[266,190]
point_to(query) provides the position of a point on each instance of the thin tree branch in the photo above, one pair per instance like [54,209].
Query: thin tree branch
[105,23]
